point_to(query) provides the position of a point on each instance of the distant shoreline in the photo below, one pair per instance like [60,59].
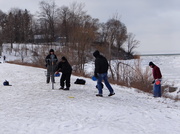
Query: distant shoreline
[160,54]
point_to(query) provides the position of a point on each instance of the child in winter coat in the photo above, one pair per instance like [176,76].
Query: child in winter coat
[66,69]
[51,60]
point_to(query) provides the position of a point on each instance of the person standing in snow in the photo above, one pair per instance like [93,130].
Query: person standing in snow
[66,69]
[4,58]
[100,72]
[51,60]
[157,79]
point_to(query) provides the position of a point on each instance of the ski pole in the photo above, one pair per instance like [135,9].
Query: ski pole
[52,73]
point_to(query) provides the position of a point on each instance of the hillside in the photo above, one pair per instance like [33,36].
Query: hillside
[30,106]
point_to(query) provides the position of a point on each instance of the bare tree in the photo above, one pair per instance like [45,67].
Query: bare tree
[64,25]
[114,34]
[9,29]
[16,26]
[48,15]
[132,43]
[83,31]
[2,25]
[27,26]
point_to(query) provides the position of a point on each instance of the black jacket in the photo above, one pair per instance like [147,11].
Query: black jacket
[64,67]
[51,59]
[101,65]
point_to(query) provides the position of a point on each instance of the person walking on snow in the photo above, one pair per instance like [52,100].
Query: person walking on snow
[51,60]
[157,79]
[100,72]
[66,69]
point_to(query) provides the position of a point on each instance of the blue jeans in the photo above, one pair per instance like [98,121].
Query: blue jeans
[157,90]
[99,81]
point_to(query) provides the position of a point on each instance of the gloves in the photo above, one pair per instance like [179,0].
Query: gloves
[153,81]
[57,72]
[96,75]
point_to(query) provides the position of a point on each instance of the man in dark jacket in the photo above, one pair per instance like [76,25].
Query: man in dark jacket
[100,72]
[66,69]
[51,60]
[157,79]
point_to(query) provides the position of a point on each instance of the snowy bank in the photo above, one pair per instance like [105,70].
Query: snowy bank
[30,106]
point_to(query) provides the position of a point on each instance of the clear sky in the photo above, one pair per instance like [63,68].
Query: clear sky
[156,23]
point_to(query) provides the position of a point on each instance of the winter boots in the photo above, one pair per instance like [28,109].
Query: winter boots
[100,95]
[111,94]
[64,88]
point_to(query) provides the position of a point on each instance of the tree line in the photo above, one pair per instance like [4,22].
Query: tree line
[79,33]
[71,23]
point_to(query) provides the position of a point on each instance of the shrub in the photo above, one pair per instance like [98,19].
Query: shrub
[132,75]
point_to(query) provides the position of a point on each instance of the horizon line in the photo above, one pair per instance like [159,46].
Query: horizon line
[163,54]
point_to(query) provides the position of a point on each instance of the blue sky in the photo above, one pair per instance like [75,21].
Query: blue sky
[156,23]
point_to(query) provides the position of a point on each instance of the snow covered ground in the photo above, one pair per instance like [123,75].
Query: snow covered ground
[168,64]
[30,106]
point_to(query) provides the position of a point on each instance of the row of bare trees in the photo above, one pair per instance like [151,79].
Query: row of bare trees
[80,32]
[15,26]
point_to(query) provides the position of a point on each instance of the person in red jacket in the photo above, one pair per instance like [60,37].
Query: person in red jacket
[157,79]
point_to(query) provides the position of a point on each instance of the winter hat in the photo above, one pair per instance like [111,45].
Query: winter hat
[64,58]
[151,63]
[96,53]
[51,50]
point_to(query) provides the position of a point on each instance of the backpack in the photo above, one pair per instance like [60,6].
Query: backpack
[80,81]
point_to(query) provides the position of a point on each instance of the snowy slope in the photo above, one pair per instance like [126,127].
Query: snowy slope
[30,106]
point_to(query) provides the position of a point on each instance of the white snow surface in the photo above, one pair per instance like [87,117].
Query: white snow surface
[30,106]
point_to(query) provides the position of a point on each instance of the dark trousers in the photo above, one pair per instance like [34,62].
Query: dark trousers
[50,73]
[106,82]
[67,78]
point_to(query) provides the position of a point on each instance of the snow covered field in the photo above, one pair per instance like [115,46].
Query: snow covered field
[30,106]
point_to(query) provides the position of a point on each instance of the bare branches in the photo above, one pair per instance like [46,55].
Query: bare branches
[48,15]
[132,43]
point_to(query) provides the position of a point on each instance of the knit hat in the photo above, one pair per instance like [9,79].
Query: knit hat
[64,58]
[96,53]
[51,50]
[151,63]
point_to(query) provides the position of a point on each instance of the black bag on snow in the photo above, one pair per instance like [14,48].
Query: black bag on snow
[80,81]
[6,83]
